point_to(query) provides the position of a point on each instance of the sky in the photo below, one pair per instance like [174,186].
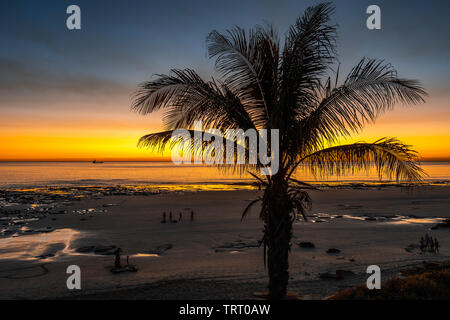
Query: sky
[66,94]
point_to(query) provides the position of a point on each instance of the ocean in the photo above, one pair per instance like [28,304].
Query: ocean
[35,174]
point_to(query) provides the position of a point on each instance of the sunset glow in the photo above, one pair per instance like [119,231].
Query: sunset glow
[66,95]
[72,137]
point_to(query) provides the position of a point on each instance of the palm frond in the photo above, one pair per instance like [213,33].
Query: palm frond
[186,98]
[300,200]
[247,209]
[389,157]
[164,140]
[308,52]
[264,183]
[161,92]
[248,62]
[371,88]
[302,184]
[157,141]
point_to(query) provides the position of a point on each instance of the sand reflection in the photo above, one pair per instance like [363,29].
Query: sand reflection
[37,246]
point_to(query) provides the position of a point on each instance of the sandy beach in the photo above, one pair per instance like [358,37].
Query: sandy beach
[216,256]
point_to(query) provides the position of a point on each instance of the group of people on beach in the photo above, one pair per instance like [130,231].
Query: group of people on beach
[429,244]
[118,266]
[180,217]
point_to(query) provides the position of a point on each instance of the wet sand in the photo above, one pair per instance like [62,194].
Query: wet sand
[216,256]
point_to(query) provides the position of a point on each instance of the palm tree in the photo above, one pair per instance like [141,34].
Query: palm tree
[290,88]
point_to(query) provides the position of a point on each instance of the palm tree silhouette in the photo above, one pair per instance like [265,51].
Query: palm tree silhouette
[265,85]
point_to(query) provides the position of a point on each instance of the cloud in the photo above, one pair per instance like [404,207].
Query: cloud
[21,81]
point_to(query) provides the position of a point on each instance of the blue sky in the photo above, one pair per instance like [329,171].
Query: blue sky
[127,41]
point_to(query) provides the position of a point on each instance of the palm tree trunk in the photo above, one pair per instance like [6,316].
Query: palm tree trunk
[278,234]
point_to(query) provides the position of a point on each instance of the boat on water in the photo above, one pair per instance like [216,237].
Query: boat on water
[95,161]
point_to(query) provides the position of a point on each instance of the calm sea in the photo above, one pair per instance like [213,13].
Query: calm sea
[21,174]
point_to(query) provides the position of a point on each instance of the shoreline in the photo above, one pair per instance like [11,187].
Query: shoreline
[19,206]
[192,185]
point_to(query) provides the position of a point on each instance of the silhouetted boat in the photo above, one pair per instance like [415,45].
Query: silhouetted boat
[95,161]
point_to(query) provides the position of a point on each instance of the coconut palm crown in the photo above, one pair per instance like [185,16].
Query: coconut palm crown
[293,88]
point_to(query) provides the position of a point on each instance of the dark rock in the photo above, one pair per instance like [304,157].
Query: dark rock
[344,273]
[105,250]
[306,244]
[330,276]
[443,225]
[86,249]
[412,247]
[44,230]
[333,250]
[431,264]
[59,212]
[338,275]
[127,268]
[239,244]
[106,205]
[46,255]
[161,249]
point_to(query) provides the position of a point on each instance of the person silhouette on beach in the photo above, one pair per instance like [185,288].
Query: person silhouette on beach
[436,245]
[422,244]
[164,218]
[117,258]
[427,241]
[172,220]
[192,215]
[181,217]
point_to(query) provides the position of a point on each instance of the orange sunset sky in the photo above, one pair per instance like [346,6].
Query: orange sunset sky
[66,95]
[77,135]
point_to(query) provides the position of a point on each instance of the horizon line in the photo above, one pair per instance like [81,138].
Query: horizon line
[162,159]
